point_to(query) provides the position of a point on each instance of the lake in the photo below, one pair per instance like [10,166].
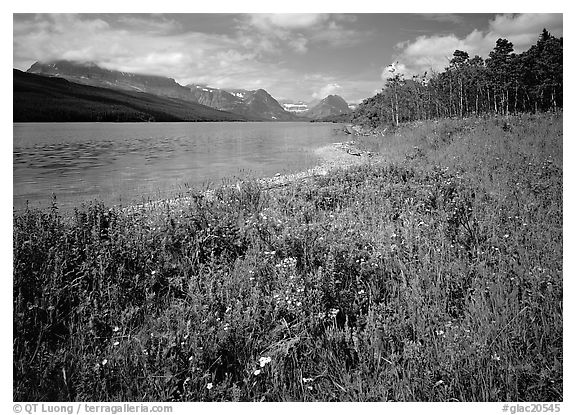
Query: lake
[127,163]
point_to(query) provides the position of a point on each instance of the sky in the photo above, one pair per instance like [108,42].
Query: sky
[293,56]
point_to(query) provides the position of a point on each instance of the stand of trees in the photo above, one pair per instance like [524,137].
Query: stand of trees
[505,83]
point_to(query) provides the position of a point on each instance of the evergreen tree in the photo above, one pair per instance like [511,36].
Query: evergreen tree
[502,84]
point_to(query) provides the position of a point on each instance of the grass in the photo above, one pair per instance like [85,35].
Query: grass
[435,276]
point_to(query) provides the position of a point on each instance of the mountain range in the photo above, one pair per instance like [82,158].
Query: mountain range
[257,104]
[52,99]
[191,102]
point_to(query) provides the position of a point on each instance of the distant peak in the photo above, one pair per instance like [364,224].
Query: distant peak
[334,97]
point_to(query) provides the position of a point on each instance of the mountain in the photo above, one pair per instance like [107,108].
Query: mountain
[262,103]
[92,74]
[52,99]
[329,106]
[253,105]
[257,104]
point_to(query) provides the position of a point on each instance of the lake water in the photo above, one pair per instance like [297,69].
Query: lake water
[133,162]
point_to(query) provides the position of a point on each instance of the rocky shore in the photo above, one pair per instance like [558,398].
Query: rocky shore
[334,156]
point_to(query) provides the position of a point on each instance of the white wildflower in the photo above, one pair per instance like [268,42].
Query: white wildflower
[264,361]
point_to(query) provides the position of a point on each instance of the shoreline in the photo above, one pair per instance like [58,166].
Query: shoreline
[333,156]
[340,155]
[337,155]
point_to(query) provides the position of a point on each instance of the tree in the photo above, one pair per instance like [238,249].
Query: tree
[458,64]
[498,64]
[505,82]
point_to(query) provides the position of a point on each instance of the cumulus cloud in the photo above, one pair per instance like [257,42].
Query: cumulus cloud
[434,52]
[298,30]
[510,24]
[287,21]
[394,68]
[180,55]
[328,89]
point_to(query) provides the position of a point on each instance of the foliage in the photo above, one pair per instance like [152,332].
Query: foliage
[505,83]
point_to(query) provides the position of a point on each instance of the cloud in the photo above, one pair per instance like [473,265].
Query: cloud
[334,34]
[128,43]
[287,21]
[397,67]
[73,37]
[443,17]
[326,90]
[435,52]
[527,23]
[150,24]
[298,31]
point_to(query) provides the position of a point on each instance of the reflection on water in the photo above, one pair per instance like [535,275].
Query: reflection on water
[128,163]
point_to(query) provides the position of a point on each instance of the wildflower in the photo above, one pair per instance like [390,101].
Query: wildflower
[361,292]
[209,386]
[495,357]
[440,332]
[104,362]
[116,329]
[153,272]
[257,372]
[306,380]
[191,358]
[116,343]
[264,361]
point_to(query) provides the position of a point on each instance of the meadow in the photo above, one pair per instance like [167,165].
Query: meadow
[432,275]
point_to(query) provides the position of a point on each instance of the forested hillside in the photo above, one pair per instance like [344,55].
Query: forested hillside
[504,83]
[50,99]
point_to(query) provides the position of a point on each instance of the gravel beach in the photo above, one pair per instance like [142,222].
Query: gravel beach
[332,157]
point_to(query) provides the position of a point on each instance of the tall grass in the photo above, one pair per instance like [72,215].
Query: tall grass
[435,276]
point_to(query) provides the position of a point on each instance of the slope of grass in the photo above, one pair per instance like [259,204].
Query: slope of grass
[47,99]
[436,276]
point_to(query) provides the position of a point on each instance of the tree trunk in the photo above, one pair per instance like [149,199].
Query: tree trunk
[461,99]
